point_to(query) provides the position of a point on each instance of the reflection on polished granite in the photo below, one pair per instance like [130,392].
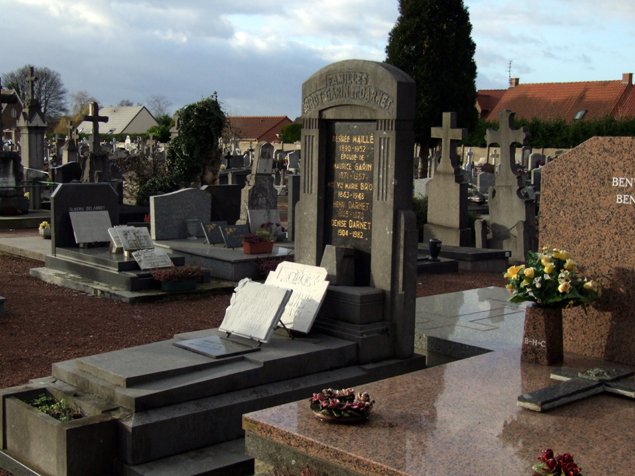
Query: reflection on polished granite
[468,323]
[455,419]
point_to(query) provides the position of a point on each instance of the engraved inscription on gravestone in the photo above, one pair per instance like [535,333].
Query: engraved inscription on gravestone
[133,238]
[349,185]
[91,226]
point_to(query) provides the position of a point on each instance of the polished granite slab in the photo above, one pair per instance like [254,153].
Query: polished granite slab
[468,323]
[458,418]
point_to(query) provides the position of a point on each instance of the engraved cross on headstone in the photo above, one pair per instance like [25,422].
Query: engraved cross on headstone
[577,385]
[94,117]
[5,99]
[448,134]
[506,137]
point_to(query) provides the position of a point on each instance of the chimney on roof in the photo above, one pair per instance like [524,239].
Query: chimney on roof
[627,78]
[513,82]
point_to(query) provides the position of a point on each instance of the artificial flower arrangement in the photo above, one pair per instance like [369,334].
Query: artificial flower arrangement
[45,224]
[549,279]
[274,228]
[341,404]
[561,465]
[258,237]
[183,273]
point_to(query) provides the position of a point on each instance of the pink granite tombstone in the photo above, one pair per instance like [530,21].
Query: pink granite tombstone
[588,209]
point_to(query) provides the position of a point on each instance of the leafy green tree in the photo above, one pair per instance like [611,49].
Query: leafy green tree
[162,130]
[431,41]
[290,133]
[49,89]
[194,155]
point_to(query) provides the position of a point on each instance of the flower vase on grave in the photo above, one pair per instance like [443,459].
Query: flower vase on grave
[192,228]
[542,339]
[435,249]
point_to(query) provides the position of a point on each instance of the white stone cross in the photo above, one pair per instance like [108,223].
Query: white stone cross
[448,134]
[506,137]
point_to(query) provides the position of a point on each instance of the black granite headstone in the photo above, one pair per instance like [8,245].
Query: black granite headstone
[212,233]
[66,173]
[225,202]
[233,235]
[78,197]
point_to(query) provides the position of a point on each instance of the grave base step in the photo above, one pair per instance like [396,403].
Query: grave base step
[225,459]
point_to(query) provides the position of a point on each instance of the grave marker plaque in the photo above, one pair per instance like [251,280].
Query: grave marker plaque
[216,347]
[233,235]
[255,310]
[212,232]
[152,258]
[309,287]
[91,227]
[349,185]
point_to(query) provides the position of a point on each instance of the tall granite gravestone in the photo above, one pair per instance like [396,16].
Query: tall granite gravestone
[32,126]
[259,193]
[70,152]
[512,218]
[169,212]
[357,170]
[588,208]
[447,193]
[79,197]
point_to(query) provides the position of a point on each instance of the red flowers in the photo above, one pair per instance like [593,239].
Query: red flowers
[341,403]
[561,465]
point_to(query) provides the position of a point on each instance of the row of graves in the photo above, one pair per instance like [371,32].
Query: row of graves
[346,309]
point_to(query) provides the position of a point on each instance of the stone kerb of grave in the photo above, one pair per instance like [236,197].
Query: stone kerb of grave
[357,144]
[587,208]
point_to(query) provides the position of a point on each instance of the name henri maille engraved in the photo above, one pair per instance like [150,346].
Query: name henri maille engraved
[348,85]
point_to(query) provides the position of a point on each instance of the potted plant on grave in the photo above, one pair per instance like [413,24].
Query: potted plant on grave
[259,242]
[549,283]
[341,406]
[276,230]
[183,278]
[45,230]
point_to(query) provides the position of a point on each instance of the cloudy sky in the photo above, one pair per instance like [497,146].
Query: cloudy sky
[257,53]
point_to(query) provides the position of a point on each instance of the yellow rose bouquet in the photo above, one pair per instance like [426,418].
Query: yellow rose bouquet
[549,279]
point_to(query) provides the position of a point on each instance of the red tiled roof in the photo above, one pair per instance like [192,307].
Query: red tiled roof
[257,128]
[627,108]
[551,101]
[488,99]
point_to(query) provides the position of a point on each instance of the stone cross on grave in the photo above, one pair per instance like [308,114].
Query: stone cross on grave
[69,128]
[506,137]
[151,144]
[448,133]
[4,99]
[95,118]
[31,80]
[577,385]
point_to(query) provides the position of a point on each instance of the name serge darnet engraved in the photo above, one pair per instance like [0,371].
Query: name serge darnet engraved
[350,85]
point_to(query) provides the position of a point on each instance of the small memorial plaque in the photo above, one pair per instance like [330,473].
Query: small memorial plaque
[152,258]
[133,238]
[233,235]
[212,231]
[309,287]
[114,236]
[91,226]
[216,347]
[255,310]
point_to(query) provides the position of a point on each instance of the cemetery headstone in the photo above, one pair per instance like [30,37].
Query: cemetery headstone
[91,226]
[94,117]
[66,173]
[32,125]
[294,161]
[134,238]
[69,150]
[309,287]
[536,160]
[587,199]
[447,191]
[255,310]
[259,192]
[79,197]
[257,218]
[170,211]
[357,167]
[512,218]
[225,202]
[484,181]
[212,232]
[233,235]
